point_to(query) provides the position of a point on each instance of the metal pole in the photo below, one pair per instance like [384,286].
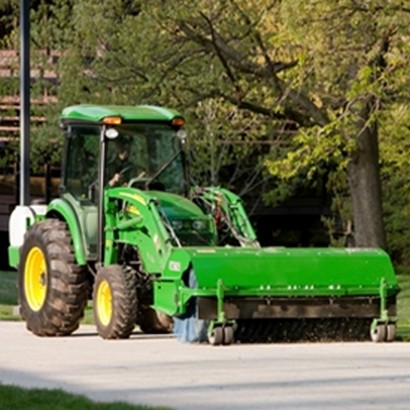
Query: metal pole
[24,102]
[101,179]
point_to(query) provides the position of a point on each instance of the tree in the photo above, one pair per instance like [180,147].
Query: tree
[124,65]
[318,78]
[47,43]
[324,66]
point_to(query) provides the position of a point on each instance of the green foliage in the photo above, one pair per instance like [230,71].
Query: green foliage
[9,86]
[46,139]
[9,156]
[330,79]
[308,78]
[16,398]
[8,295]
[124,65]
[8,288]
[313,150]
[395,146]
[8,13]
[221,146]
[403,303]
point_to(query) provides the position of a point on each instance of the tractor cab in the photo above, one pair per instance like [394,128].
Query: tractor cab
[135,154]
[108,147]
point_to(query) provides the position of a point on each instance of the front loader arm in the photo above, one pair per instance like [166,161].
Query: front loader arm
[132,218]
[227,209]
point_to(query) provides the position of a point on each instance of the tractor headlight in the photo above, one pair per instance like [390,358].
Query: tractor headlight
[177,225]
[199,225]
[189,225]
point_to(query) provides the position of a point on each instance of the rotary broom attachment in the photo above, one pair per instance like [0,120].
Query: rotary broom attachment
[279,294]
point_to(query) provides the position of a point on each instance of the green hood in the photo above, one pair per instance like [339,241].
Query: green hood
[177,207]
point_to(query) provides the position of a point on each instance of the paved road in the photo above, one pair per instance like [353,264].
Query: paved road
[161,371]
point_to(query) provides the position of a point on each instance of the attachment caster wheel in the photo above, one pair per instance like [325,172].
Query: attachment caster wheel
[228,335]
[378,333]
[216,336]
[391,332]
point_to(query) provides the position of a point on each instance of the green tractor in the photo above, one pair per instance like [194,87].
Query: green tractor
[129,232]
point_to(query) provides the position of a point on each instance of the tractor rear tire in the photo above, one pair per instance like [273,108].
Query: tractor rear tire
[53,289]
[115,302]
[152,321]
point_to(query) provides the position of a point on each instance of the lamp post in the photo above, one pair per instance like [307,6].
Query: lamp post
[24,102]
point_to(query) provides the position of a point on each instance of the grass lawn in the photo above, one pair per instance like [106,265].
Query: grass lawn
[8,295]
[16,398]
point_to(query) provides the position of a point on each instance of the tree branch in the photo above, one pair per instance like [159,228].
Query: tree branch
[217,45]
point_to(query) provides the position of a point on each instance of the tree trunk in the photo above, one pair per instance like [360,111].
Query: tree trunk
[365,186]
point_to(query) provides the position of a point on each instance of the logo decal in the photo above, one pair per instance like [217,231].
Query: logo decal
[174,266]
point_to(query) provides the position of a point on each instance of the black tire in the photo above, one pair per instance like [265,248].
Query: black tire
[53,289]
[152,321]
[115,302]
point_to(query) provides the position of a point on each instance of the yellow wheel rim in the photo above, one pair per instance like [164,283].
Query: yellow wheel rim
[35,278]
[104,305]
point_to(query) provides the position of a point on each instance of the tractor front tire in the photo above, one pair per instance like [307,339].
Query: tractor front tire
[53,289]
[115,302]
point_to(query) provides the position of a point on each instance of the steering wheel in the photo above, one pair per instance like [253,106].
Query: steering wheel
[141,178]
[133,168]
[126,169]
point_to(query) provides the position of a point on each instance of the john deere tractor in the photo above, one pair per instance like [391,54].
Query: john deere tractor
[130,232]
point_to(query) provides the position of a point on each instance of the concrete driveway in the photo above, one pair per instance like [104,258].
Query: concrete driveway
[159,371]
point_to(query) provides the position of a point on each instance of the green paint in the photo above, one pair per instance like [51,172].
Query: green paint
[163,228]
[96,113]
[60,207]
[14,256]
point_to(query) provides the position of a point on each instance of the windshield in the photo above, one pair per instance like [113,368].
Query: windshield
[146,156]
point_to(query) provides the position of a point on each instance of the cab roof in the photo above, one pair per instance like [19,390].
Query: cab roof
[96,113]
